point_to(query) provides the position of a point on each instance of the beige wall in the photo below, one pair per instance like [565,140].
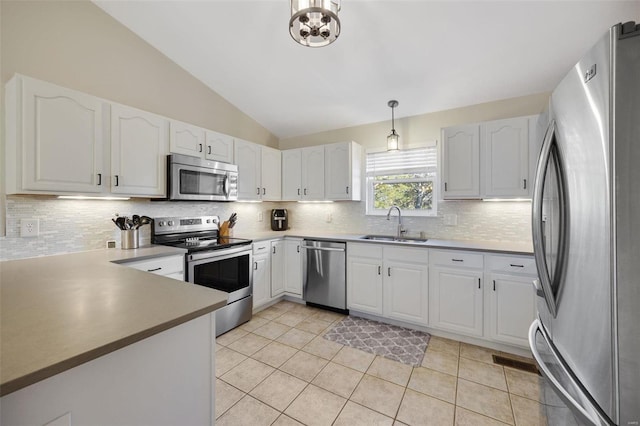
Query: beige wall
[421,128]
[75,44]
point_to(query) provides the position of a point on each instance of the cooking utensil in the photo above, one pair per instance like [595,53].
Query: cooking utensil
[121,222]
[136,221]
[145,220]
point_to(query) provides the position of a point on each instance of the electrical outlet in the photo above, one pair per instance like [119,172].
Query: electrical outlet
[260,217]
[111,243]
[29,227]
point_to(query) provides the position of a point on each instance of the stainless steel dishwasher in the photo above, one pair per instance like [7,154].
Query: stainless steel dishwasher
[325,278]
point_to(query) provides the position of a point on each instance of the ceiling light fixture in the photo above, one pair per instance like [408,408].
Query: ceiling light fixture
[393,138]
[314,23]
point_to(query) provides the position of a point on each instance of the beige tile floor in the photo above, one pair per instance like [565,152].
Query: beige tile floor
[277,369]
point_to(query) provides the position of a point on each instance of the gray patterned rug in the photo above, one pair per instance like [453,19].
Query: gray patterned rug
[390,341]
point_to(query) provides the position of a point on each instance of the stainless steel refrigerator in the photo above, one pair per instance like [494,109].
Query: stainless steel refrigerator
[586,235]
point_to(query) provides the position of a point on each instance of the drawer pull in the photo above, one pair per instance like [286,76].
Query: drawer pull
[494,285]
[261,248]
[479,280]
[457,260]
[389,271]
[516,266]
[379,270]
[153,270]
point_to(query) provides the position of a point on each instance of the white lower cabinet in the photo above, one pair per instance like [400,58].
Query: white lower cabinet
[286,267]
[277,268]
[389,281]
[510,305]
[364,278]
[455,291]
[293,266]
[261,273]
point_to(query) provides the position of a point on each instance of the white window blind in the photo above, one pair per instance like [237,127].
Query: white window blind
[410,161]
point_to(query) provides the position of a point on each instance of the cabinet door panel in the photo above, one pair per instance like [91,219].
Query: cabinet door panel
[277,268]
[313,173]
[139,145]
[342,171]
[506,151]
[261,280]
[455,301]
[186,139]
[511,308]
[406,291]
[63,139]
[292,175]
[461,162]
[293,267]
[271,181]
[248,157]
[219,147]
[364,284]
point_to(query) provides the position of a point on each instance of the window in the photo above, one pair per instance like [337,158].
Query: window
[405,178]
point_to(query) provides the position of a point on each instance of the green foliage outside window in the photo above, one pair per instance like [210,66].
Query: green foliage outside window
[409,192]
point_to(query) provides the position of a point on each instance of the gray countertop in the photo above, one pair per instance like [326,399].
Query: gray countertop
[57,312]
[485,246]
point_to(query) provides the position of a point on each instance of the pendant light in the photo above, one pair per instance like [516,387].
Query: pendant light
[314,23]
[393,138]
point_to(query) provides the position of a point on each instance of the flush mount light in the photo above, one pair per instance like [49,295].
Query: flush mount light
[314,23]
[393,138]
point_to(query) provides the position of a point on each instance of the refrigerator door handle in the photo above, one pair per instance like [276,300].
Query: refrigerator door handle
[588,412]
[537,220]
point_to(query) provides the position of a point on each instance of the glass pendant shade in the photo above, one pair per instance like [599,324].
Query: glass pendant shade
[393,140]
[314,23]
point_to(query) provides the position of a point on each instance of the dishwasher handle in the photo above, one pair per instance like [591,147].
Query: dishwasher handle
[323,248]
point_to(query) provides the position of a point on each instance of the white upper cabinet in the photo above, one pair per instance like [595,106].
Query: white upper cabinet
[218,147]
[248,157]
[312,173]
[139,145]
[461,162]
[506,158]
[186,139]
[271,174]
[55,139]
[292,175]
[343,164]
[489,160]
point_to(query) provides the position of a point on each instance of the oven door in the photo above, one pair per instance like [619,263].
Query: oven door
[227,270]
[188,182]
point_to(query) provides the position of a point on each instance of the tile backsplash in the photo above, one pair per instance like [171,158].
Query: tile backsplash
[78,225]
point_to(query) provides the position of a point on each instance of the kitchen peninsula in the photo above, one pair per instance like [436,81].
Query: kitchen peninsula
[86,338]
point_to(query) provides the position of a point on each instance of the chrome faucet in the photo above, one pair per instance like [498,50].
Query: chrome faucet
[401,229]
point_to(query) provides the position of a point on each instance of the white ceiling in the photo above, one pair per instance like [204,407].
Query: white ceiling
[429,55]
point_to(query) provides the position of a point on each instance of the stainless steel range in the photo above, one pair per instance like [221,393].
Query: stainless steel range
[220,263]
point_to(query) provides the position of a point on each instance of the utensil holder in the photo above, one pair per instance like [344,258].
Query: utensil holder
[224,230]
[129,238]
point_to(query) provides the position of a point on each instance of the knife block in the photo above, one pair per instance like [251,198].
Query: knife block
[224,230]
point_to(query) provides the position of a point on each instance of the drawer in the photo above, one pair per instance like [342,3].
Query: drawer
[261,247]
[512,264]
[364,250]
[456,259]
[160,265]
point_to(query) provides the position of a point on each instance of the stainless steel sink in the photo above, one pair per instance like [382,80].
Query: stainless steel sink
[394,239]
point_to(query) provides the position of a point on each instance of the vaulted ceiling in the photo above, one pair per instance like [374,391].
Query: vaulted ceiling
[429,55]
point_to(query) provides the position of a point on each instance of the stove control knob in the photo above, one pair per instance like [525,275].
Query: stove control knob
[208,220]
[171,223]
[161,223]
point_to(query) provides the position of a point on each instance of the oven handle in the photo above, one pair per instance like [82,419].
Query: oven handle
[220,254]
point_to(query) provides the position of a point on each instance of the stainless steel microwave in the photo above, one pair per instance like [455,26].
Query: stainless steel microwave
[195,179]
